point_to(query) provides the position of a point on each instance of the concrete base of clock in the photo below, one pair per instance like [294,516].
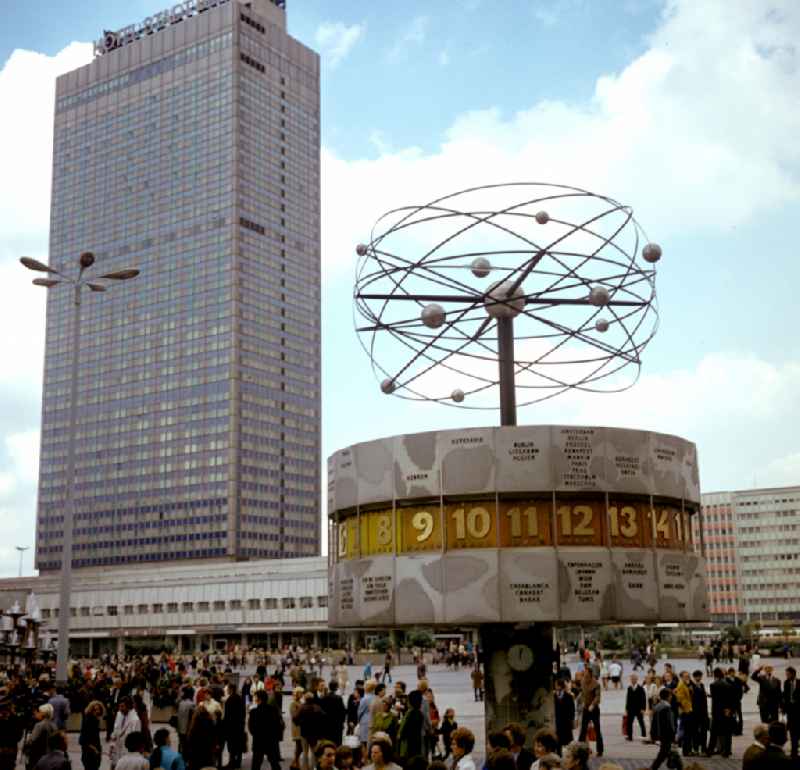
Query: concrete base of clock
[514,690]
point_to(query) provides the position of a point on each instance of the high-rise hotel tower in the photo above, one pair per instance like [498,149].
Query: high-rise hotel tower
[188,148]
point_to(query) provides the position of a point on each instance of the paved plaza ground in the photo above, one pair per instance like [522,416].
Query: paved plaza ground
[453,690]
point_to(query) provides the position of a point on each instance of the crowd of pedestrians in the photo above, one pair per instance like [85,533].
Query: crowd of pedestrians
[677,711]
[220,713]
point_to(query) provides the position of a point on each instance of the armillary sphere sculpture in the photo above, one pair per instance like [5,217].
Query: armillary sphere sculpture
[448,288]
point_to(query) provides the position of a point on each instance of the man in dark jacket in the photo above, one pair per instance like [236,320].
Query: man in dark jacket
[739,688]
[409,735]
[769,694]
[635,704]
[11,730]
[335,713]
[352,705]
[266,726]
[233,727]
[564,708]
[663,726]
[722,719]
[310,718]
[791,707]
[699,712]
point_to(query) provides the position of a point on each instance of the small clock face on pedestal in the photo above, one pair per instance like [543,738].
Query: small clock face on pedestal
[520,657]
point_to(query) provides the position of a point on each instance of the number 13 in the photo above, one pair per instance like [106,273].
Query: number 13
[623,521]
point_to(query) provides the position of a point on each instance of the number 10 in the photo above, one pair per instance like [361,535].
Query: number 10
[476,523]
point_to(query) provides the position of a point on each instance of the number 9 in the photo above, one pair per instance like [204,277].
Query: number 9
[423,522]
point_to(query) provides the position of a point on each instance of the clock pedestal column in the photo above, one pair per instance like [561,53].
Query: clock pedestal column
[518,675]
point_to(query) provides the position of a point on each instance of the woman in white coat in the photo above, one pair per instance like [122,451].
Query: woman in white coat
[125,723]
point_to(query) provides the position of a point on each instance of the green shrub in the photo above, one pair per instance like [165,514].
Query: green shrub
[423,639]
[382,644]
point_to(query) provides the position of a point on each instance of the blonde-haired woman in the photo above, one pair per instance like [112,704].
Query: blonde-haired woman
[365,713]
[91,746]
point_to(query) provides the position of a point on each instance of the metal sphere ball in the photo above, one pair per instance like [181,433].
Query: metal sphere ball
[599,296]
[601,324]
[388,386]
[361,249]
[542,217]
[651,253]
[481,267]
[457,395]
[433,315]
[87,259]
[515,302]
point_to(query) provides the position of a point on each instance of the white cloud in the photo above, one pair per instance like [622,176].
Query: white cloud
[444,58]
[335,40]
[23,449]
[737,408]
[27,89]
[780,472]
[412,36]
[547,16]
[699,132]
[19,455]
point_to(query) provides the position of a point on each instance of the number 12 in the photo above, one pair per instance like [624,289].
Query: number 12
[583,528]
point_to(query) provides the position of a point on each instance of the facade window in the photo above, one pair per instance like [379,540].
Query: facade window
[158,609]
[218,605]
[235,604]
[270,604]
[306,602]
[172,607]
[128,609]
[253,604]
[143,609]
[45,614]
[202,606]
[187,607]
[288,603]
[73,611]
[111,610]
[322,601]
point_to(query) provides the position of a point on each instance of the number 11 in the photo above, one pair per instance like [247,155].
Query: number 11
[516,521]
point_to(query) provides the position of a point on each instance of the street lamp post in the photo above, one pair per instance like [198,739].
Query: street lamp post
[86,261]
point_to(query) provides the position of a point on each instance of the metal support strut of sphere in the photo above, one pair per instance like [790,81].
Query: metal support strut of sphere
[505,292]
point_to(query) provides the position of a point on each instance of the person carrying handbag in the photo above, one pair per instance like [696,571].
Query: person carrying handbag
[590,714]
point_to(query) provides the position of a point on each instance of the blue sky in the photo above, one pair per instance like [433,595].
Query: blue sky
[393,80]
[685,110]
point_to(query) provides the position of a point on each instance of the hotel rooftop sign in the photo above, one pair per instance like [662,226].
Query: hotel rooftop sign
[154,23]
